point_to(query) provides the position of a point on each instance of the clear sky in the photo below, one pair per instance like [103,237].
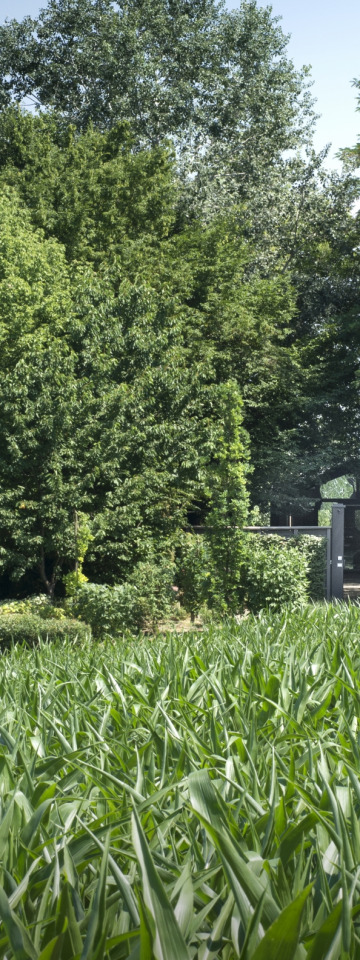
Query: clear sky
[325,34]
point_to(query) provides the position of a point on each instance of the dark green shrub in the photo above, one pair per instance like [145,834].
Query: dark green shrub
[107,610]
[28,628]
[274,573]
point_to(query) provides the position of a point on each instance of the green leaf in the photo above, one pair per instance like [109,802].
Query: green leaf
[72,936]
[146,940]
[324,937]
[19,940]
[53,949]
[244,883]
[96,933]
[168,939]
[211,949]
[281,940]
[294,835]
[184,909]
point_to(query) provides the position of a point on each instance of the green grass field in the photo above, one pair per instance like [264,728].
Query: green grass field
[185,797]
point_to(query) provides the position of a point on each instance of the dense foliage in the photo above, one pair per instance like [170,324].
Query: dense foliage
[30,629]
[192,797]
[315,550]
[168,238]
[274,573]
[194,71]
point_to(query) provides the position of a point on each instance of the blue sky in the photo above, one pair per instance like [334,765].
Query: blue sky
[325,34]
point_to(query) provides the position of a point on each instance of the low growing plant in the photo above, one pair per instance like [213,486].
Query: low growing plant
[40,606]
[193,796]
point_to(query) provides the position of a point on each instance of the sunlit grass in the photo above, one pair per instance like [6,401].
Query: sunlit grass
[184,797]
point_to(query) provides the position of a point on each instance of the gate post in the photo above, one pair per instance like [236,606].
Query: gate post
[337,551]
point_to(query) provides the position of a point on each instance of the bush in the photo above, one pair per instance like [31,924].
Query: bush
[274,573]
[40,606]
[314,550]
[107,610]
[144,600]
[153,583]
[29,628]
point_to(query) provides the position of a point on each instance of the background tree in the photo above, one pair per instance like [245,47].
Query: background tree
[89,190]
[119,212]
[101,412]
[163,238]
[38,401]
[40,485]
[218,83]
[314,423]
[351,155]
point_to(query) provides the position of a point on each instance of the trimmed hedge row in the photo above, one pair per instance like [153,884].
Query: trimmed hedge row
[29,628]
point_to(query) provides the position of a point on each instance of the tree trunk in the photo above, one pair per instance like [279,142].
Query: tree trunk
[48,584]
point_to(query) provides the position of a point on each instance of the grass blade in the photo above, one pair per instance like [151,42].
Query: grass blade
[168,939]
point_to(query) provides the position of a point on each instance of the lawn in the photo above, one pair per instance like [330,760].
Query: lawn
[192,796]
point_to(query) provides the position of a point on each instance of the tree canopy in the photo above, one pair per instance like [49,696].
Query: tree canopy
[164,248]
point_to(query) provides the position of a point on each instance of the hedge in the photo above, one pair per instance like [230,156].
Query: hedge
[273,574]
[279,570]
[314,549]
[28,628]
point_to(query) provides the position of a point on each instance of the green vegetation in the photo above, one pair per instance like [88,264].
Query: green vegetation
[275,573]
[315,552]
[192,796]
[179,347]
[179,289]
[264,571]
[142,602]
[28,628]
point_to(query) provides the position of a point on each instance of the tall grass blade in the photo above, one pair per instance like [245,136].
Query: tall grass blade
[168,939]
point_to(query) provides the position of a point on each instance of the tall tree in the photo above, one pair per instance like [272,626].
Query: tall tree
[101,411]
[218,82]
[351,155]
[89,190]
[39,401]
